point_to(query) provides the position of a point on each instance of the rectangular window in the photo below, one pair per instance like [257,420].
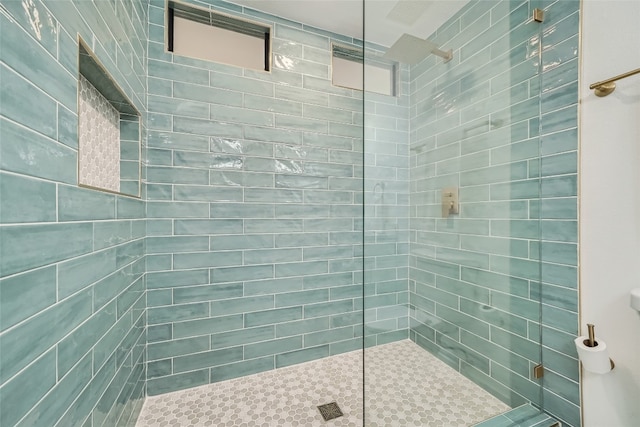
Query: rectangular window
[211,36]
[347,71]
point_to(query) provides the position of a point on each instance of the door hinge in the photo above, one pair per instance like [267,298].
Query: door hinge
[538,371]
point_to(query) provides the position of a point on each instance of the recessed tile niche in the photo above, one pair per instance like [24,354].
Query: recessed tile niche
[108,130]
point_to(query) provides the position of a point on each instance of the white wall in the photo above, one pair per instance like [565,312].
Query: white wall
[610,208]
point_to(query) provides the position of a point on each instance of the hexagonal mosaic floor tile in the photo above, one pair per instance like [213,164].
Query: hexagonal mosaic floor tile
[405,386]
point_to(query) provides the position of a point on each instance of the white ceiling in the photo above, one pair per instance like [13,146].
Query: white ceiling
[346,16]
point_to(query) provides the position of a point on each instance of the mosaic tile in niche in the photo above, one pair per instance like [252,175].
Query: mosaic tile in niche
[99,139]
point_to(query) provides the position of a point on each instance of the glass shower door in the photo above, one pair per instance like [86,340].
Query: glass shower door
[452,197]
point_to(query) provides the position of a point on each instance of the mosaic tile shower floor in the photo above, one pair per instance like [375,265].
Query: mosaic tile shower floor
[406,386]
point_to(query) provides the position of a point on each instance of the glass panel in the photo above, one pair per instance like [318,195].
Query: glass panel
[452,199]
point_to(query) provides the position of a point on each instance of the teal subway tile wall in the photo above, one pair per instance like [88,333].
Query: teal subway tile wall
[255,198]
[72,264]
[283,219]
[386,208]
[489,285]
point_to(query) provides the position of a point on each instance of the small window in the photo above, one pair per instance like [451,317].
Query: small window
[204,34]
[379,76]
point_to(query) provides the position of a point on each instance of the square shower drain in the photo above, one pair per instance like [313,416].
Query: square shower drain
[330,411]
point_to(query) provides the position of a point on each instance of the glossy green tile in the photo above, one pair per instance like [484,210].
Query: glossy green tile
[73,347]
[328,308]
[24,55]
[206,94]
[496,388]
[436,295]
[159,297]
[272,347]
[177,141]
[242,337]
[159,333]
[45,33]
[206,326]
[77,204]
[523,307]
[206,127]
[26,200]
[110,233]
[177,209]
[26,294]
[327,337]
[559,231]
[463,258]
[516,267]
[25,151]
[464,289]
[563,320]
[178,278]
[55,403]
[207,193]
[169,244]
[177,382]
[159,368]
[129,208]
[207,293]
[496,353]
[46,328]
[16,93]
[519,345]
[234,274]
[302,326]
[267,317]
[562,364]
[301,268]
[31,246]
[240,369]
[176,313]
[301,124]
[354,291]
[163,350]
[103,350]
[392,336]
[207,226]
[242,84]
[207,359]
[438,267]
[206,259]
[556,296]
[24,390]
[246,241]
[169,71]
[463,320]
[300,356]
[181,107]
[526,388]
[167,175]
[561,409]
[79,272]
[67,127]
[328,252]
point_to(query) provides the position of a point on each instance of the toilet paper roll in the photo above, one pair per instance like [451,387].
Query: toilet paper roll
[594,359]
[635,299]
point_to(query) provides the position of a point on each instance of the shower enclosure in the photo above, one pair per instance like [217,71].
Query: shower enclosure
[465,216]
[405,197]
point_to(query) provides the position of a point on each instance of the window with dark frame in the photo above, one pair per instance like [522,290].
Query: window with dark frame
[350,69]
[204,34]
